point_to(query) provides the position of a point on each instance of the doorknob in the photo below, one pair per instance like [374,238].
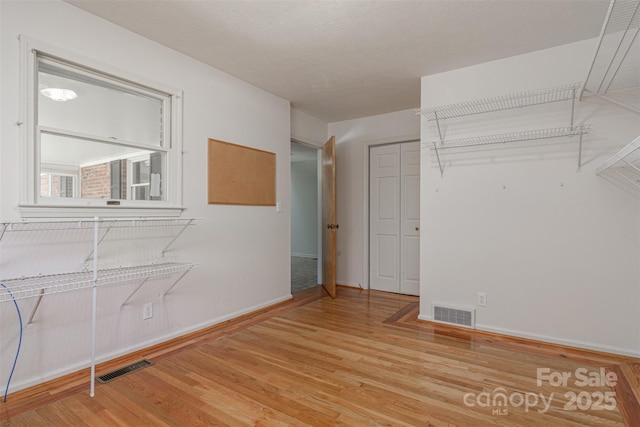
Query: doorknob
[333,226]
[417,228]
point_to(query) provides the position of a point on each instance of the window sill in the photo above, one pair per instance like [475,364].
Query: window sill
[57,211]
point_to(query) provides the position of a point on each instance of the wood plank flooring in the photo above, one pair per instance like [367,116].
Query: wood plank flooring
[362,359]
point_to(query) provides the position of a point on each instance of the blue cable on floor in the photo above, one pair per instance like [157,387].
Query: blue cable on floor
[19,341]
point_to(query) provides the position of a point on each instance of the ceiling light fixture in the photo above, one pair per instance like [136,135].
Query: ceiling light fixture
[58,94]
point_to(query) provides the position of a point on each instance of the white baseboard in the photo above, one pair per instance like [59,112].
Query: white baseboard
[33,381]
[550,340]
[561,341]
[350,284]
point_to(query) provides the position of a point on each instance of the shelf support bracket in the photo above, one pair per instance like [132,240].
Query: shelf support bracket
[435,148]
[134,292]
[35,307]
[580,153]
[4,228]
[184,273]
[435,114]
[176,236]
[100,241]
[573,108]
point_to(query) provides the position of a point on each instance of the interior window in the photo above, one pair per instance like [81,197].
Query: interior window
[99,139]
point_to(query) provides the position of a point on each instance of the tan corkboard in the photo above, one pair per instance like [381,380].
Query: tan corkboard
[241,175]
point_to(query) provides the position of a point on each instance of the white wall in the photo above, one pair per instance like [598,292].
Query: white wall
[555,250]
[243,253]
[304,208]
[306,128]
[353,138]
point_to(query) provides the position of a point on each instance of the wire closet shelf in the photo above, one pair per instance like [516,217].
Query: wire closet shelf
[39,285]
[623,169]
[29,287]
[519,100]
[45,284]
[499,103]
[616,61]
[479,142]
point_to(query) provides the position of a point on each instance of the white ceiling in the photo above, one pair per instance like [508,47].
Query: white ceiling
[339,60]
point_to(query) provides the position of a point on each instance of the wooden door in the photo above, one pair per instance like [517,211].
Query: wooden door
[330,227]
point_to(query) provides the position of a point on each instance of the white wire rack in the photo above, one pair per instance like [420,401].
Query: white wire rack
[479,142]
[499,103]
[616,63]
[89,224]
[562,93]
[623,169]
[37,286]
[47,284]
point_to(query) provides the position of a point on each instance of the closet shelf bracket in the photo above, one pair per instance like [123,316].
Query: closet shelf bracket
[35,307]
[134,292]
[2,230]
[182,230]
[174,283]
[90,256]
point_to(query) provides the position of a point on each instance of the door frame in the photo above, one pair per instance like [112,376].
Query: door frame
[366,256]
[319,229]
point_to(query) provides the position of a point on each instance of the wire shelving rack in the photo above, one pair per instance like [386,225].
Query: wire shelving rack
[623,169]
[568,92]
[39,286]
[499,103]
[616,62]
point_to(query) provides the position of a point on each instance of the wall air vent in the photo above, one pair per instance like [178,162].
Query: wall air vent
[123,371]
[458,316]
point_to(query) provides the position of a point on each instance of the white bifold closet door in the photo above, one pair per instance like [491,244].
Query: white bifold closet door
[394,218]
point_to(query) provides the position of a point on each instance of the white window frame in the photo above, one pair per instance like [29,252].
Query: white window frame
[56,170]
[31,204]
[130,184]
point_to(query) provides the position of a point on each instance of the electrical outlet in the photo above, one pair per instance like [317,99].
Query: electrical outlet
[482,299]
[147,311]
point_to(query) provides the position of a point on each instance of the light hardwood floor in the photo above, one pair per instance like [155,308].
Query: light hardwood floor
[360,359]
